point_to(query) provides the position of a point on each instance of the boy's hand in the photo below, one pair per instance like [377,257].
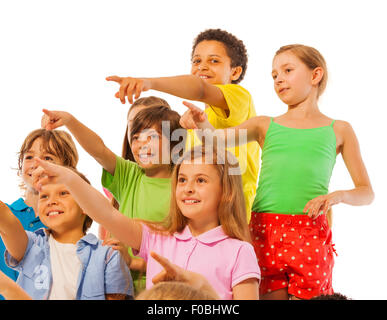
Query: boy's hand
[54,119]
[193,116]
[129,87]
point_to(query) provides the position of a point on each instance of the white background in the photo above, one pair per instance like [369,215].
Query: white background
[56,55]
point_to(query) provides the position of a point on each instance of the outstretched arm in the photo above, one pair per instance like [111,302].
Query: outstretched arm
[91,201]
[10,290]
[362,194]
[87,138]
[185,86]
[12,232]
[250,130]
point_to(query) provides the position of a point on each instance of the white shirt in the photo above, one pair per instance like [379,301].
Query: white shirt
[65,267]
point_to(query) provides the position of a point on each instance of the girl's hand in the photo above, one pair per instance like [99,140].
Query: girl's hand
[118,245]
[47,173]
[129,87]
[54,119]
[192,116]
[321,204]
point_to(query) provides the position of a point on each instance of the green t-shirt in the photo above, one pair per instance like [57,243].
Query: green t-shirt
[139,196]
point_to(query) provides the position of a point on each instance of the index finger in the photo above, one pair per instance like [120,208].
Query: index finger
[165,263]
[114,78]
[192,107]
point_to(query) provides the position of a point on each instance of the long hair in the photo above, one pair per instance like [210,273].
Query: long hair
[231,210]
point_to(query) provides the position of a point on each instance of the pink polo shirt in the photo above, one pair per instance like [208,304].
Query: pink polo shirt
[224,261]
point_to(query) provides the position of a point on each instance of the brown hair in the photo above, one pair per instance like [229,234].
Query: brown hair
[56,142]
[235,48]
[232,208]
[312,58]
[174,290]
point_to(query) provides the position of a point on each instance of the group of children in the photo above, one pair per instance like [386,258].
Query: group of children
[187,218]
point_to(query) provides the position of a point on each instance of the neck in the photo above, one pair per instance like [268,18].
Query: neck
[304,109]
[197,228]
[68,236]
[31,200]
[159,172]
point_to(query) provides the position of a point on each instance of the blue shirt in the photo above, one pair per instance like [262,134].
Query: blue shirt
[26,216]
[103,269]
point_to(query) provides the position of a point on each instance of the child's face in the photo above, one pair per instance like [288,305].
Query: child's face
[292,78]
[211,63]
[28,166]
[58,210]
[198,192]
[147,147]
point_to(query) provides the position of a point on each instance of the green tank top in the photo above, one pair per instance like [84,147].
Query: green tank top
[296,167]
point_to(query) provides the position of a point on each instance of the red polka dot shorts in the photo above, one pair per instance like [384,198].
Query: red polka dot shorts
[294,252]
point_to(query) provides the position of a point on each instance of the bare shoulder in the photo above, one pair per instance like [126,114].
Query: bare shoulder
[343,127]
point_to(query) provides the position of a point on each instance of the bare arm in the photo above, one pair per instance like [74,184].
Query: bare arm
[12,232]
[87,138]
[92,202]
[362,194]
[185,86]
[246,290]
[253,129]
[10,290]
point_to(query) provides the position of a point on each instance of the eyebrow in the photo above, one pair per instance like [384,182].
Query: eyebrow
[211,55]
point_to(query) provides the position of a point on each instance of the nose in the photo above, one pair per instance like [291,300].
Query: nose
[52,201]
[189,187]
[202,66]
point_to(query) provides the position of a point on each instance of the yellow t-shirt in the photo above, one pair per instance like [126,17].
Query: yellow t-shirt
[241,108]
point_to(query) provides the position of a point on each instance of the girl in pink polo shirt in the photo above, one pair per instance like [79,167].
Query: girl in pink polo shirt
[206,230]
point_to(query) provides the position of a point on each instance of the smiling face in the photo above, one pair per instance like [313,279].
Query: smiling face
[37,150]
[147,147]
[198,192]
[294,82]
[58,210]
[211,63]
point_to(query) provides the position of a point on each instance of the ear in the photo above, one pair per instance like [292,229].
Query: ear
[236,73]
[317,75]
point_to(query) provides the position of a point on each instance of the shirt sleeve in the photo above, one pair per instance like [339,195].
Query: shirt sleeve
[31,256]
[239,102]
[117,275]
[124,174]
[246,265]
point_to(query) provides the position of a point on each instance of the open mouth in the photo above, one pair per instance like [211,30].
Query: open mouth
[54,213]
[191,201]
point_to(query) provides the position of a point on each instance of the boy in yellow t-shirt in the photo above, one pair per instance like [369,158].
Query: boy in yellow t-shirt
[219,62]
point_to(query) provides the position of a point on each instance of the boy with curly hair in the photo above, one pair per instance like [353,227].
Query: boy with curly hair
[218,64]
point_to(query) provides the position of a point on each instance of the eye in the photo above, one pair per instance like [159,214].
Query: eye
[181,180]
[42,196]
[201,180]
[48,158]
[288,70]
[64,193]
[196,61]
[214,61]
[28,157]
[274,77]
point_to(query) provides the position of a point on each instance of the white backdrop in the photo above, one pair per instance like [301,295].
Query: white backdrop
[56,55]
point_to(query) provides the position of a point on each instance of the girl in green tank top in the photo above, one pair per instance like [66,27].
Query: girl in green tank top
[299,151]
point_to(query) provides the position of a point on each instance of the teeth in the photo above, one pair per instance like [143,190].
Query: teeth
[53,213]
[191,201]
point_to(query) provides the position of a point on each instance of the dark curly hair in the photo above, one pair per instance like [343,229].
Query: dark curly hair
[235,48]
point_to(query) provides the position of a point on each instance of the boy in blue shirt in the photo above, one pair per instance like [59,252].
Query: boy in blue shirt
[63,262]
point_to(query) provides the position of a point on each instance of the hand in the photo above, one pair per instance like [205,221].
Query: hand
[321,204]
[47,173]
[54,119]
[118,245]
[129,87]
[192,116]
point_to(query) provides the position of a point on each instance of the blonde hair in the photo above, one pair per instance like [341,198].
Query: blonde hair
[312,58]
[174,290]
[232,208]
